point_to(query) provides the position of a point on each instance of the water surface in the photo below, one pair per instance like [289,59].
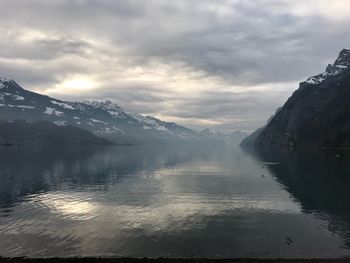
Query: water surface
[174,201]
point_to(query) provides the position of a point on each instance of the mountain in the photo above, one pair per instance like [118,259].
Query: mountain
[20,132]
[317,114]
[152,125]
[104,119]
[250,140]
[234,137]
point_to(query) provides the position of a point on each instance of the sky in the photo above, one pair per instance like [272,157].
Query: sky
[220,64]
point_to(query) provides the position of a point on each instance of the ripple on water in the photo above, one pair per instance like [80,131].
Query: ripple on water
[142,203]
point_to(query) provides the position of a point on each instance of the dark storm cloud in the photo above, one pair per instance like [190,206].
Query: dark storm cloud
[232,49]
[248,51]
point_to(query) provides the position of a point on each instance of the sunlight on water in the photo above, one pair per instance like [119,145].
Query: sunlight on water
[75,206]
[178,201]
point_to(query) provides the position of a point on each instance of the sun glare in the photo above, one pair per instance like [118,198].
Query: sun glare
[72,85]
[78,83]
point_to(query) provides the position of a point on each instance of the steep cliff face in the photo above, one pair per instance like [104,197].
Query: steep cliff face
[250,140]
[317,114]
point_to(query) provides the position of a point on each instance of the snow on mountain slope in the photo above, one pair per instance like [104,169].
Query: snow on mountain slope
[340,65]
[102,118]
[144,122]
[316,115]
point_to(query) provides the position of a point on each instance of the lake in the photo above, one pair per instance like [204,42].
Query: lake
[183,200]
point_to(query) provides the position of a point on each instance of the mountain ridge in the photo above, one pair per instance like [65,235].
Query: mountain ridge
[234,137]
[104,119]
[316,115]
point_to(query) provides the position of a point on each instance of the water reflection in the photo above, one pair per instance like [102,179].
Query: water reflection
[318,179]
[190,200]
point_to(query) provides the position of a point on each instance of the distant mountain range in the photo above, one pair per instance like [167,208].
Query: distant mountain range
[233,138]
[317,114]
[104,119]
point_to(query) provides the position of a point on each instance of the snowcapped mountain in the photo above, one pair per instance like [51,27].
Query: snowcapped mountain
[333,70]
[317,114]
[146,123]
[104,119]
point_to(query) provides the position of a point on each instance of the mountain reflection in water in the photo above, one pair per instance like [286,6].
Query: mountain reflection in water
[187,200]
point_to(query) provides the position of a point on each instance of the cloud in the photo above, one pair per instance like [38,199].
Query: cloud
[225,64]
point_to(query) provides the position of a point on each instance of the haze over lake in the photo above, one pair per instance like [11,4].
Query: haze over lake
[184,200]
